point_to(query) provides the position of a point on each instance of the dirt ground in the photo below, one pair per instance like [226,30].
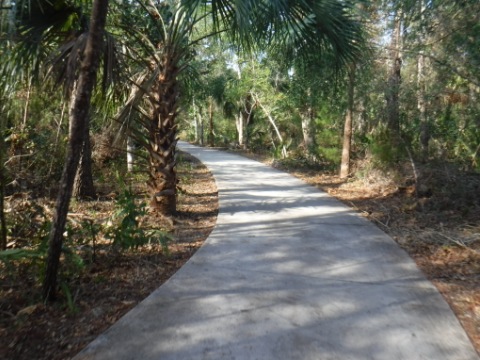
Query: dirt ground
[439,228]
[108,287]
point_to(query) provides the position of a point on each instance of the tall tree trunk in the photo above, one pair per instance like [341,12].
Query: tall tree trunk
[422,107]
[393,89]
[239,120]
[78,123]
[211,136]
[239,123]
[307,127]
[163,139]
[83,187]
[421,101]
[246,114]
[307,130]
[196,124]
[201,128]
[347,132]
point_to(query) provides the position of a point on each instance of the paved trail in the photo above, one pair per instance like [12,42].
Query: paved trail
[288,273]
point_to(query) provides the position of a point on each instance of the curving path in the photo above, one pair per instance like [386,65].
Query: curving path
[288,273]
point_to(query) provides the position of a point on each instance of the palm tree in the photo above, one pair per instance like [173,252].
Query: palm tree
[159,82]
[300,28]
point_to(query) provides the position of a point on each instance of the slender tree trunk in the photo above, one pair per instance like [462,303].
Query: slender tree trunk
[422,107]
[196,127]
[83,187]
[59,126]
[246,133]
[307,127]
[421,101]
[211,136]
[274,125]
[393,90]
[130,153]
[240,119]
[308,138]
[78,123]
[201,130]
[247,115]
[196,124]
[347,132]
[240,129]
[27,104]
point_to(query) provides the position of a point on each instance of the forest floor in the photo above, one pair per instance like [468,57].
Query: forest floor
[100,291]
[439,229]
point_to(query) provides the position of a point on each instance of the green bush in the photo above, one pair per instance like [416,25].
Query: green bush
[126,232]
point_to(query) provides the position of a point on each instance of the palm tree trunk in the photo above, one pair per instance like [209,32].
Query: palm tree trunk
[78,124]
[163,140]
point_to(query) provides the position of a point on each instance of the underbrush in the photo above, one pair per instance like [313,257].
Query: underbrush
[115,254]
[117,222]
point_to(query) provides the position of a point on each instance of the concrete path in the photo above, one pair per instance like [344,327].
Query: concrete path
[288,273]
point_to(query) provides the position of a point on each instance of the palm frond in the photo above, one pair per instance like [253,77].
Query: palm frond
[40,25]
[302,28]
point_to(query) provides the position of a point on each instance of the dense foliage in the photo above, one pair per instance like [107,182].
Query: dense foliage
[277,84]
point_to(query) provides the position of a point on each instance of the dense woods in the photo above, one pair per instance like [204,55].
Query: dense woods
[350,87]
